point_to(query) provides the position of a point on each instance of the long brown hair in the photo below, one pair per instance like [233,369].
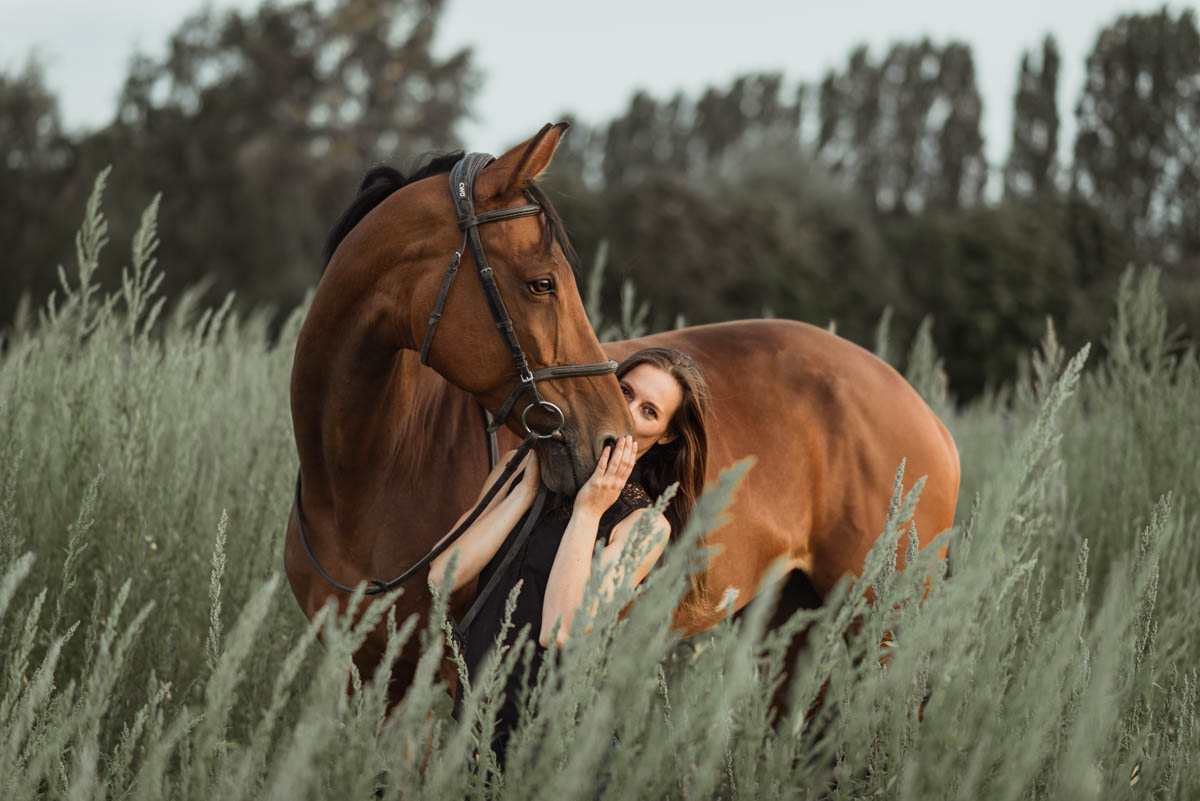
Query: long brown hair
[684,458]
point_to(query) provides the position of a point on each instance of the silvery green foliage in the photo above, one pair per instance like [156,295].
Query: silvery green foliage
[924,370]
[883,335]
[139,659]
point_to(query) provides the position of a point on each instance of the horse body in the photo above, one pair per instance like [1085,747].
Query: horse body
[827,422]
[392,452]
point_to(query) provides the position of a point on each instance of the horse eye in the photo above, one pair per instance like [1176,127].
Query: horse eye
[541,286]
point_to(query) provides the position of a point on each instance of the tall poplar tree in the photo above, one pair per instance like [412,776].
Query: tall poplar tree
[35,157]
[906,130]
[1033,159]
[258,126]
[1137,153]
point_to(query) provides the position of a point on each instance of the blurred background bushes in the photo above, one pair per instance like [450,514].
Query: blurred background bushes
[822,202]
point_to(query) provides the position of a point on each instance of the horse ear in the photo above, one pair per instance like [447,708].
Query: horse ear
[523,163]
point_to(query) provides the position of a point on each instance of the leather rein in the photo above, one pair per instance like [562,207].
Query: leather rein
[462,191]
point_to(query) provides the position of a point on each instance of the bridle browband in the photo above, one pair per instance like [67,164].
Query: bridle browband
[462,192]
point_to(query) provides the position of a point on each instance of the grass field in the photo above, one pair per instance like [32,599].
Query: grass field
[150,648]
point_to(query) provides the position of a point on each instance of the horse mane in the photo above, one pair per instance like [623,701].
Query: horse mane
[383,180]
[376,186]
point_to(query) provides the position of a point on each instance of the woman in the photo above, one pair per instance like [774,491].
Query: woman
[667,397]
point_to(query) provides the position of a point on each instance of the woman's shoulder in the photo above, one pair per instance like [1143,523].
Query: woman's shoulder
[634,519]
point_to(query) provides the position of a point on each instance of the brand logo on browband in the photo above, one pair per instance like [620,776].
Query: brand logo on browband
[462,189]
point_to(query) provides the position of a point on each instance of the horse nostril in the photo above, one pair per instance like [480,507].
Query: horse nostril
[609,442]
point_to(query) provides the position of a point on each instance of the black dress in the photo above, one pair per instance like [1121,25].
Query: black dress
[531,566]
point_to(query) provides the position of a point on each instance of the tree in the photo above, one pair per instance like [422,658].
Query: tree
[715,209]
[257,128]
[960,171]
[754,113]
[650,136]
[850,122]
[991,275]
[1137,153]
[906,131]
[1033,158]
[35,156]
[698,137]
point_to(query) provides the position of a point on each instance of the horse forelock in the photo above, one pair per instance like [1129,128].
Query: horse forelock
[376,186]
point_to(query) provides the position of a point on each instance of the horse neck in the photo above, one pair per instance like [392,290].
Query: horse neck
[390,451]
[350,382]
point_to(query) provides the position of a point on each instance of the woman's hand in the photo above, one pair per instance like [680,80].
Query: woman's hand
[612,471]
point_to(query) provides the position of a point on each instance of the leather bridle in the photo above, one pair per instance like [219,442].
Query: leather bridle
[462,191]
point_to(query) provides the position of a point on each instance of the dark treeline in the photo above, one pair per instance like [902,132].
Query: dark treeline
[820,202]
[256,129]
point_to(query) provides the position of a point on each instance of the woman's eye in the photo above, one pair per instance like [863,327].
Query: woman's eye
[541,286]
[649,412]
[625,391]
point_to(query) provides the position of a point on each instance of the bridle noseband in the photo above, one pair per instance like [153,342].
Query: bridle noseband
[462,191]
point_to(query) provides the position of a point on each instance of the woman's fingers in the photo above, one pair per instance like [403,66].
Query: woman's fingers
[602,465]
[621,464]
[627,460]
[614,463]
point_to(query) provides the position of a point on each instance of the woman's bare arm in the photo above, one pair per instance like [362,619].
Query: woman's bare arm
[573,562]
[479,543]
[565,599]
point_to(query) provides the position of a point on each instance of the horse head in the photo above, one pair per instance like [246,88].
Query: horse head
[523,346]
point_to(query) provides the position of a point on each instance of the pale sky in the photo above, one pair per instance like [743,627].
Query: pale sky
[541,58]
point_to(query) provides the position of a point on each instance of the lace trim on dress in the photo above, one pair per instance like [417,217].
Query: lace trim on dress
[633,496]
[636,494]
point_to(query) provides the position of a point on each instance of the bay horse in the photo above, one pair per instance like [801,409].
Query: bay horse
[393,450]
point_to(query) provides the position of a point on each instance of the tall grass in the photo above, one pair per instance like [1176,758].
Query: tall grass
[149,650]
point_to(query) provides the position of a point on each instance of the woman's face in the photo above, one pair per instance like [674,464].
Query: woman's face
[653,396]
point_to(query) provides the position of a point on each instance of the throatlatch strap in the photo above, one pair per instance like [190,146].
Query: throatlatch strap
[493,441]
[436,314]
